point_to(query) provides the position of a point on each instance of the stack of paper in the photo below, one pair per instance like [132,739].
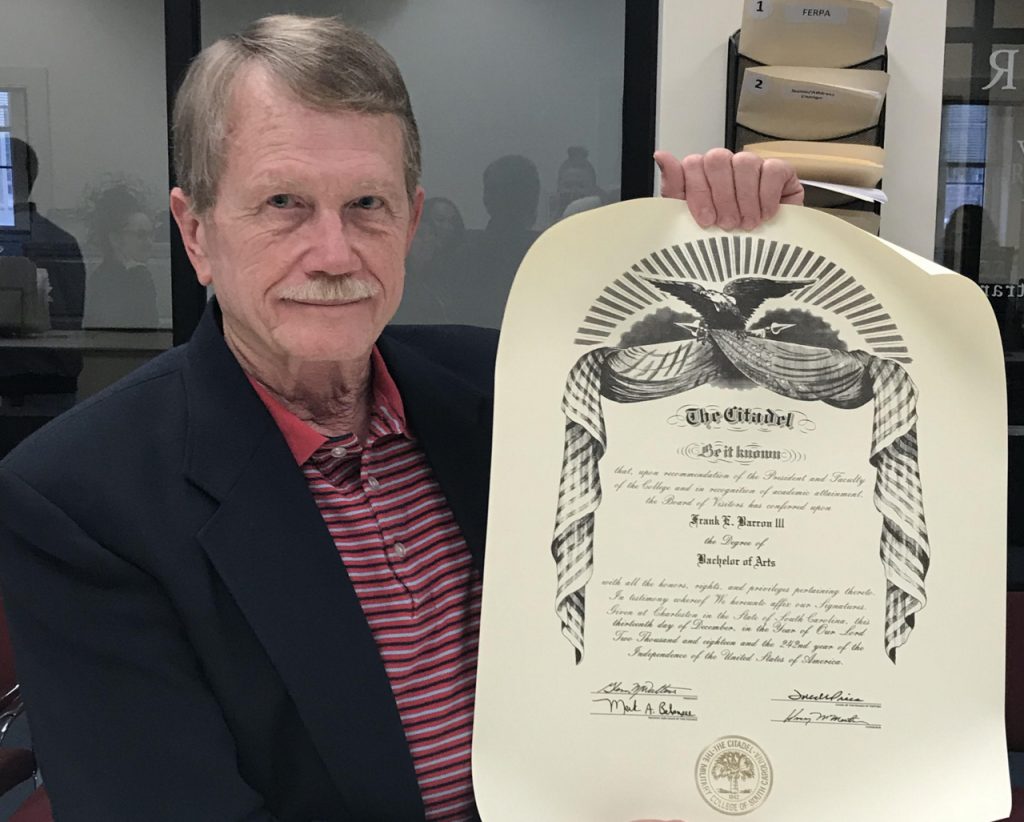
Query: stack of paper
[842,163]
[833,174]
[835,34]
[799,103]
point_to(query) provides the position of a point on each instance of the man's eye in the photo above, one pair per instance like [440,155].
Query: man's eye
[281,201]
[369,202]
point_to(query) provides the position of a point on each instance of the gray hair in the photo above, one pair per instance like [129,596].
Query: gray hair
[326,64]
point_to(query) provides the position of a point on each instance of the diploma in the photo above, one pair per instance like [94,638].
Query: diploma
[746,542]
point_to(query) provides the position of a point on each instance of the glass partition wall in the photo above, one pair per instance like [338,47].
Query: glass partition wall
[524,114]
[980,225]
[519,106]
[84,245]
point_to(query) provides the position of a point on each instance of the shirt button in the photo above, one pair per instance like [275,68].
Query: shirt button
[399,549]
[339,451]
[374,483]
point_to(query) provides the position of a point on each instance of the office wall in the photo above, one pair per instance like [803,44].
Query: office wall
[691,100]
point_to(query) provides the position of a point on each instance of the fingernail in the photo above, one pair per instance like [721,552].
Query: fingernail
[749,223]
[707,218]
[728,224]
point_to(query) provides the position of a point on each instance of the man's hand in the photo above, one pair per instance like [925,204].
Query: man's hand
[729,190]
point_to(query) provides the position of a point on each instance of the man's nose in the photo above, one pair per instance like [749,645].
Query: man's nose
[332,250]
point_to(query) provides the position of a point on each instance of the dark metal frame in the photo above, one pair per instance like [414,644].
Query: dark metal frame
[639,98]
[639,103]
[183,40]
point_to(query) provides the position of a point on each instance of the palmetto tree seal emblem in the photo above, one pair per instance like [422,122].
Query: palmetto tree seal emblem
[733,775]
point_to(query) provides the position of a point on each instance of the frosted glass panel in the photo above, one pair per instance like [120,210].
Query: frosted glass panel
[519,105]
[1009,14]
[960,13]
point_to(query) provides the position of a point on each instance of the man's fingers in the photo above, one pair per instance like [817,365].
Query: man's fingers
[729,190]
[718,166]
[779,184]
[673,183]
[793,191]
[747,173]
[698,191]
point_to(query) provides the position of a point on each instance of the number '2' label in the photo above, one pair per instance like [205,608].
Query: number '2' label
[756,84]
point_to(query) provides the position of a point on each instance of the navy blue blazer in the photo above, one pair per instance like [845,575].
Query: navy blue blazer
[189,644]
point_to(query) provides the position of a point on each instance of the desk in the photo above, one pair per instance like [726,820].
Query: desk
[93,340]
[108,355]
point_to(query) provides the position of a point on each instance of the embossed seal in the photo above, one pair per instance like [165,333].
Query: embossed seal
[733,775]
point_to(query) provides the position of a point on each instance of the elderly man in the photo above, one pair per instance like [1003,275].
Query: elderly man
[244,582]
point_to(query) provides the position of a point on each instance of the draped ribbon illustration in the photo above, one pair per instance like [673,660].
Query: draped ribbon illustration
[843,379]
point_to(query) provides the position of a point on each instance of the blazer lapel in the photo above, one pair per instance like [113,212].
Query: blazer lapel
[268,542]
[452,420]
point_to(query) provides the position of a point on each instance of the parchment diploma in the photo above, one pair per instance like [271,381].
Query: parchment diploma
[746,542]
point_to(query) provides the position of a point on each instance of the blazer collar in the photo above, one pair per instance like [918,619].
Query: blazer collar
[452,421]
[270,546]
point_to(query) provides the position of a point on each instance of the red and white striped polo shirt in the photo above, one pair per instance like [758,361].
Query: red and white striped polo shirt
[413,574]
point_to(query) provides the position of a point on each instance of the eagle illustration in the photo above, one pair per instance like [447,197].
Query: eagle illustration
[731,308]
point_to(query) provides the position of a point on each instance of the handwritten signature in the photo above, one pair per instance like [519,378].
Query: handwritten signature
[835,696]
[642,688]
[652,709]
[802,717]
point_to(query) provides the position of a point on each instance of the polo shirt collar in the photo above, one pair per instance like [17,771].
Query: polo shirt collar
[303,440]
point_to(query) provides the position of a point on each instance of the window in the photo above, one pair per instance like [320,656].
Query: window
[12,163]
[964,143]
[6,165]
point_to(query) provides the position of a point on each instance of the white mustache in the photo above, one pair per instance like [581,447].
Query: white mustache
[331,289]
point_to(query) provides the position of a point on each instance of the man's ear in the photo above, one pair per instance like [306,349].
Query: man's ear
[415,212]
[193,234]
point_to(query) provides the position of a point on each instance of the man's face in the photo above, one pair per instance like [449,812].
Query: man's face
[306,242]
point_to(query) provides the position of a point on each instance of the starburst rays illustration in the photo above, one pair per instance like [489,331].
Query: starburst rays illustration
[833,292]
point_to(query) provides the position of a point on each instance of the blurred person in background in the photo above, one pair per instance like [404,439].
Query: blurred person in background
[37,384]
[121,292]
[576,188]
